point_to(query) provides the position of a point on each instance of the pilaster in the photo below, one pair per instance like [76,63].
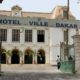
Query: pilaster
[76,40]
[22,37]
[34,36]
[9,36]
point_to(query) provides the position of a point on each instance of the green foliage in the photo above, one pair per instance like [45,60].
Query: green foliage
[20,53]
[8,53]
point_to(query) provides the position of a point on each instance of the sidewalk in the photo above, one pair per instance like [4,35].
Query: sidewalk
[18,68]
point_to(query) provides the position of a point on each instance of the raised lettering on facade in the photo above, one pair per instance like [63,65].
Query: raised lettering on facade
[65,25]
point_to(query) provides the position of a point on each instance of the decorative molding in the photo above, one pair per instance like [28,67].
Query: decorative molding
[16,7]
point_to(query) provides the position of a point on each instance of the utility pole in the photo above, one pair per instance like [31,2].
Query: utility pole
[67,28]
[67,9]
[66,41]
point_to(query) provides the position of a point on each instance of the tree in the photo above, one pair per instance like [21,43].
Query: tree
[8,54]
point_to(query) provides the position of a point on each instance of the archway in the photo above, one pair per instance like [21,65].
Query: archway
[3,56]
[28,57]
[15,57]
[41,56]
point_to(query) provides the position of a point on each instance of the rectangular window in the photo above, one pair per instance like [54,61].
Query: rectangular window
[40,35]
[3,34]
[28,35]
[15,35]
[65,35]
[65,13]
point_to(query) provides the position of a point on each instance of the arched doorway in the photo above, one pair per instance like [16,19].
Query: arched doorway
[28,57]
[41,56]
[3,56]
[15,57]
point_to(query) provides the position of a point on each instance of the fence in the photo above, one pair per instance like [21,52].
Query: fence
[67,66]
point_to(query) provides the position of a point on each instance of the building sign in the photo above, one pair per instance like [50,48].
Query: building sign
[38,22]
[65,25]
[18,22]
[5,21]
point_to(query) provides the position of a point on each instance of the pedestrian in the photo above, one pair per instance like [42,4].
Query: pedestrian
[58,62]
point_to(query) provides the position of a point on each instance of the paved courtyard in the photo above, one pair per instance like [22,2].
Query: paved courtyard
[39,76]
[23,68]
[34,72]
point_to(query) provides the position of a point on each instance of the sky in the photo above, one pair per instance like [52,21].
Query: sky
[42,5]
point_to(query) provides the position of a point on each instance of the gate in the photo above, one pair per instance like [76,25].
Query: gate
[67,63]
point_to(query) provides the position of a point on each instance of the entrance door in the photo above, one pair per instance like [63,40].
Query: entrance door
[15,57]
[28,59]
[41,57]
[3,58]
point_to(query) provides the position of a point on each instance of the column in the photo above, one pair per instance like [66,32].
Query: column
[21,60]
[76,40]
[21,55]
[22,37]
[9,36]
[9,60]
[47,36]
[34,36]
[35,57]
[47,56]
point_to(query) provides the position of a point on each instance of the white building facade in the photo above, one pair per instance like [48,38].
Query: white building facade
[33,40]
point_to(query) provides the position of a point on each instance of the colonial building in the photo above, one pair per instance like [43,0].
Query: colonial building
[34,37]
